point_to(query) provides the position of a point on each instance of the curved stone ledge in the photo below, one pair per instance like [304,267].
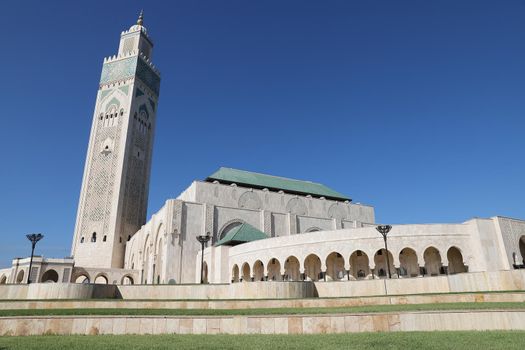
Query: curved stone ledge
[297,324]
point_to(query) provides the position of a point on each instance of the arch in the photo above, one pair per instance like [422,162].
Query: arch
[296,206]
[433,265]
[84,278]
[235,274]
[3,279]
[455,261]
[159,261]
[50,276]
[274,270]
[20,276]
[101,279]
[380,260]
[246,273]
[408,265]
[312,267]
[258,271]
[313,229]
[250,200]
[335,267]
[292,269]
[359,265]
[127,279]
[522,249]
[227,227]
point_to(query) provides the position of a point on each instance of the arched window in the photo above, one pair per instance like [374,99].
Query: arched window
[94,237]
[82,240]
[129,237]
[104,238]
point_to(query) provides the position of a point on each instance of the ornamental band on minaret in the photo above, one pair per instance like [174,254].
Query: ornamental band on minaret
[114,195]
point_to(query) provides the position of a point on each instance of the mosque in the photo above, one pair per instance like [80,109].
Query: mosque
[260,227]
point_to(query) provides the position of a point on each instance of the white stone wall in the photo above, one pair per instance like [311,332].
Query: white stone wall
[475,239]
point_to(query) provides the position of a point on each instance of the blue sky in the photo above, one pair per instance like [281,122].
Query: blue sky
[414,107]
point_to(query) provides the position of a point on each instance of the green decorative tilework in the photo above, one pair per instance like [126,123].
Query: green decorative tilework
[128,67]
[256,180]
[124,89]
[104,93]
[148,76]
[118,70]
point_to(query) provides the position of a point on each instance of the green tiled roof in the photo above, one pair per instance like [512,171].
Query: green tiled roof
[241,234]
[256,180]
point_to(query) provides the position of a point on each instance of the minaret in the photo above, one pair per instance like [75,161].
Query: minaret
[114,195]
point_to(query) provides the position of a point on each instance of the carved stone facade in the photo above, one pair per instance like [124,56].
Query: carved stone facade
[114,195]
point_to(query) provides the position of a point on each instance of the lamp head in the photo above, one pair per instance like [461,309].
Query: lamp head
[34,237]
[384,229]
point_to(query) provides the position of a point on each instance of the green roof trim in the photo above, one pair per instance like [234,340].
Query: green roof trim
[256,180]
[241,234]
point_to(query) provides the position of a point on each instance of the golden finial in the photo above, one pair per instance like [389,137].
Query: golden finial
[141,18]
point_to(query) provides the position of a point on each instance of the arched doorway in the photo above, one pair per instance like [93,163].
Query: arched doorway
[246,273]
[82,279]
[20,276]
[127,280]
[455,261]
[380,260]
[258,271]
[433,263]
[3,279]
[101,279]
[408,266]
[335,267]
[235,274]
[522,250]
[291,269]
[312,267]
[50,276]
[274,270]
[359,265]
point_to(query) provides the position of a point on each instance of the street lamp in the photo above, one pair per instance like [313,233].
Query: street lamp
[203,239]
[33,237]
[383,230]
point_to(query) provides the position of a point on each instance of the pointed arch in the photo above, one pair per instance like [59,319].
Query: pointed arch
[359,265]
[312,267]
[455,261]
[274,270]
[408,264]
[433,264]
[335,267]
[292,269]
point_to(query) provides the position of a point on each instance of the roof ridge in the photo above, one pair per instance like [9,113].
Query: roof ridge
[275,176]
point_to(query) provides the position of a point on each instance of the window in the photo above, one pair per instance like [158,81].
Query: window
[120,239]
[129,237]
[94,237]
[104,238]
[82,240]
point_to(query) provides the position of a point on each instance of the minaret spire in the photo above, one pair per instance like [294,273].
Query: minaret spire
[140,20]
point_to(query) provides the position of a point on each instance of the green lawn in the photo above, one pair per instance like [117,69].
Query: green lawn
[272,311]
[406,341]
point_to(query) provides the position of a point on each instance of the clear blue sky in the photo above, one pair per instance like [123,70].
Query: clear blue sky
[415,107]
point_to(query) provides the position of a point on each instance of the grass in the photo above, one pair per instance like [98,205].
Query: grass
[506,340]
[268,311]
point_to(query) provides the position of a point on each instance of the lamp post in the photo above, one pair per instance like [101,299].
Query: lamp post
[33,237]
[203,239]
[383,230]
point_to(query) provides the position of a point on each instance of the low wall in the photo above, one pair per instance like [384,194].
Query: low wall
[464,282]
[282,324]
[252,290]
[248,290]
[57,291]
[492,297]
